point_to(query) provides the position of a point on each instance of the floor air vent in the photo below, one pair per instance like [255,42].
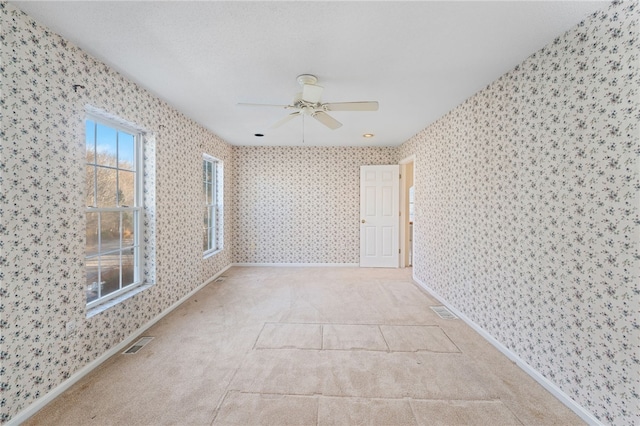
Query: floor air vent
[443,312]
[220,279]
[138,345]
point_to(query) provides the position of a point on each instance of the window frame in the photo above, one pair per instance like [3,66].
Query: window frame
[137,210]
[213,231]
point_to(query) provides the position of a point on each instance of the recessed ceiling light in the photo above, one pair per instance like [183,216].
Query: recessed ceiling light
[368,135]
[258,135]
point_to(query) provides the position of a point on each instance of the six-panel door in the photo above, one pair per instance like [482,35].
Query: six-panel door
[379,213]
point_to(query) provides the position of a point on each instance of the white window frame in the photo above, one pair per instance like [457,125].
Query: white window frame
[213,205]
[136,210]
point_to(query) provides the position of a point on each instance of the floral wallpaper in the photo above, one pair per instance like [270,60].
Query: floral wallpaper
[526,214]
[527,211]
[42,216]
[299,204]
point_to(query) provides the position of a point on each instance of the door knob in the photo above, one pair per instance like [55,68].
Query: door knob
[363,220]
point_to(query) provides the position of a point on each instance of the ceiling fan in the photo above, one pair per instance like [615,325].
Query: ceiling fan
[308,102]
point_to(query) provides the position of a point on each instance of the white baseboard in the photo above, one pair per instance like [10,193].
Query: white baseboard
[75,377]
[296,265]
[546,383]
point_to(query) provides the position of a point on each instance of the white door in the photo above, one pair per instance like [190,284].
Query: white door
[379,216]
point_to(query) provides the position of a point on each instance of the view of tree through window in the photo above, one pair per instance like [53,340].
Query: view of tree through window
[112,210]
[211,174]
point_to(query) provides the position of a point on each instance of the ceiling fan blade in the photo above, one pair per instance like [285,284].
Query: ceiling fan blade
[285,119]
[327,120]
[351,106]
[261,105]
[311,93]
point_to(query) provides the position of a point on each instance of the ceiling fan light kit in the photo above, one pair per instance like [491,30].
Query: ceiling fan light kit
[308,103]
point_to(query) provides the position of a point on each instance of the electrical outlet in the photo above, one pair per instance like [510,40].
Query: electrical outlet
[70,328]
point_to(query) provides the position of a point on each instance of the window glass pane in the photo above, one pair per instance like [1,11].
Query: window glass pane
[209,193]
[126,185]
[91,267]
[209,172]
[128,267]
[205,239]
[90,140]
[128,228]
[110,273]
[89,179]
[126,158]
[106,187]
[109,231]
[106,145]
[92,234]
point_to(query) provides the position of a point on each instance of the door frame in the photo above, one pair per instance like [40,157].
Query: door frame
[404,209]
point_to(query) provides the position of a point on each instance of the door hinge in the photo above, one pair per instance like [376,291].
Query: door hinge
[400,175]
[399,251]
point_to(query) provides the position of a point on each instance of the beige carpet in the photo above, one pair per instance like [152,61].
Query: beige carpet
[307,346]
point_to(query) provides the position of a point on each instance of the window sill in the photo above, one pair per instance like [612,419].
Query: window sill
[111,303]
[211,253]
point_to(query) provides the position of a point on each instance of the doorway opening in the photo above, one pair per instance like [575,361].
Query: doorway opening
[407,172]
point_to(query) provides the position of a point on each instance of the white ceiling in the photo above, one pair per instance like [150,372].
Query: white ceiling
[418,59]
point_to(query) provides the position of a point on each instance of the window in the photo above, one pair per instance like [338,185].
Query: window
[212,188]
[114,210]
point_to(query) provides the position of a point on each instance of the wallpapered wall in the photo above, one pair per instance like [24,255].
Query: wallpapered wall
[42,231]
[526,209]
[527,205]
[299,204]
